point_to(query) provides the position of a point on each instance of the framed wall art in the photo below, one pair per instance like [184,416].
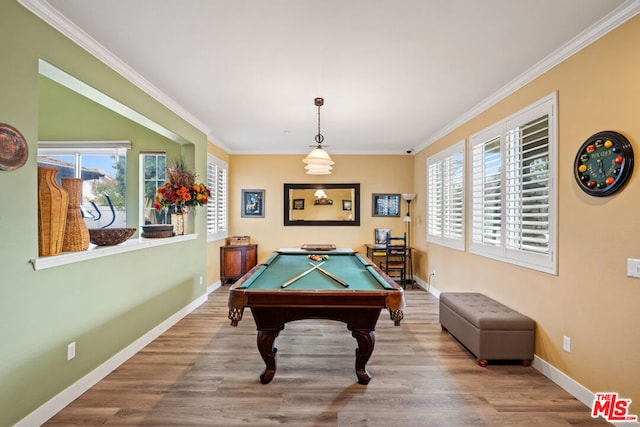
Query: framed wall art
[380,235]
[252,204]
[298,204]
[385,204]
[322,202]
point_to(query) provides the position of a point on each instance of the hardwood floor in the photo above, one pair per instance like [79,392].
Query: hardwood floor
[203,372]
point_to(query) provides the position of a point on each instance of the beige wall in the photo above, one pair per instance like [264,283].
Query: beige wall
[374,173]
[590,300]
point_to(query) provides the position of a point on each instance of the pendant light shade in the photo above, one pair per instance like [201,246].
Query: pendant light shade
[318,169]
[318,161]
[318,157]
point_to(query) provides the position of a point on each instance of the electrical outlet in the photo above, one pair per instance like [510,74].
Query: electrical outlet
[433,272]
[566,344]
[201,280]
[633,267]
[71,351]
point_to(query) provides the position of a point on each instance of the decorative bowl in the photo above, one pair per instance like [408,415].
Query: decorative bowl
[110,236]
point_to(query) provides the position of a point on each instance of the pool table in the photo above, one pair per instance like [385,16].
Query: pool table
[357,301]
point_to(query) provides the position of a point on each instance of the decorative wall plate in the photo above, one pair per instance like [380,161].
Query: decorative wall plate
[13,148]
[603,163]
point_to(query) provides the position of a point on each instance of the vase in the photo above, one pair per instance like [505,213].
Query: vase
[76,234]
[52,212]
[179,219]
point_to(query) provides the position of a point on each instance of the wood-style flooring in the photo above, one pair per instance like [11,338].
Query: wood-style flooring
[203,372]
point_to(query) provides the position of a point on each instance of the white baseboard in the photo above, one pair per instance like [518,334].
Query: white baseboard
[567,383]
[212,287]
[571,386]
[64,398]
[434,291]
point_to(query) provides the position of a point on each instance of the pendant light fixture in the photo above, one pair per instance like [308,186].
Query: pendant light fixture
[318,161]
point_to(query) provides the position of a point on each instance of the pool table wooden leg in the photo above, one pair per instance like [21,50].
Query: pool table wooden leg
[366,339]
[266,338]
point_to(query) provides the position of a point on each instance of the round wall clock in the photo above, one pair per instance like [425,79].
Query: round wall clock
[603,163]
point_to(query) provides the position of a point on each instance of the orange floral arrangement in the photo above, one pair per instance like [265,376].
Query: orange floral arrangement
[181,191]
[181,196]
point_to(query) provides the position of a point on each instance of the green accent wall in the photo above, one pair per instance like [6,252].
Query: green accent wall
[102,304]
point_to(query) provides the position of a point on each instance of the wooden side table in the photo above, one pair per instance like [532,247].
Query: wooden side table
[236,260]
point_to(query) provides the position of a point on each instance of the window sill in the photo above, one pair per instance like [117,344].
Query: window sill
[102,251]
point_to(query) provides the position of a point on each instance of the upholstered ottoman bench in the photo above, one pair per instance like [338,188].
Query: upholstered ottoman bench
[490,330]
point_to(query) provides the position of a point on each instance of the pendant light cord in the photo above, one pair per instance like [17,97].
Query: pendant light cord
[319,138]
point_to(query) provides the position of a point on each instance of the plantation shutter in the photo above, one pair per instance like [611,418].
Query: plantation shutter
[434,198]
[217,221]
[445,197]
[527,187]
[453,197]
[486,204]
[513,200]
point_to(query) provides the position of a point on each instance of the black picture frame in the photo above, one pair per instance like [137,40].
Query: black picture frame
[385,205]
[326,221]
[298,204]
[252,204]
[347,205]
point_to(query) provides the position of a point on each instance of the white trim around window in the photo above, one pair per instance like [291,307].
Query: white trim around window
[513,200]
[445,197]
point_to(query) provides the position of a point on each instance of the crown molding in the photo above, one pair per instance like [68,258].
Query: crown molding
[216,142]
[50,15]
[609,22]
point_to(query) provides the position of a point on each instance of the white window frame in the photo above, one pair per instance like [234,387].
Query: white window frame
[143,180]
[445,202]
[495,245]
[80,149]
[218,205]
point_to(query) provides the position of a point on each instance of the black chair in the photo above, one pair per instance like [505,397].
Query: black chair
[395,259]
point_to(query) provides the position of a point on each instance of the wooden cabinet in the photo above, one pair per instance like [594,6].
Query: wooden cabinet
[236,260]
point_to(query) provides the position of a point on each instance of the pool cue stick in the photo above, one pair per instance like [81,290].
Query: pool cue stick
[332,276]
[304,273]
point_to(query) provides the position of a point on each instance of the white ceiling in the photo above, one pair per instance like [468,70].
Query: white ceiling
[395,74]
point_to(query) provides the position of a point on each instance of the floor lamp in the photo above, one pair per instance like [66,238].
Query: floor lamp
[408,197]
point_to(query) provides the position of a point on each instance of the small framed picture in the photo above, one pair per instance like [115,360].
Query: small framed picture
[380,235]
[385,204]
[323,202]
[252,204]
[347,205]
[298,204]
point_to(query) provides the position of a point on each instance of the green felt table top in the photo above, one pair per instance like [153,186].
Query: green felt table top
[347,266]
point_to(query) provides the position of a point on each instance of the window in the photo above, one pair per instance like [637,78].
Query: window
[102,167]
[445,197]
[217,172]
[513,201]
[153,170]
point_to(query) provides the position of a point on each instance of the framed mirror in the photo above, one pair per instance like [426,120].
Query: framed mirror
[322,204]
